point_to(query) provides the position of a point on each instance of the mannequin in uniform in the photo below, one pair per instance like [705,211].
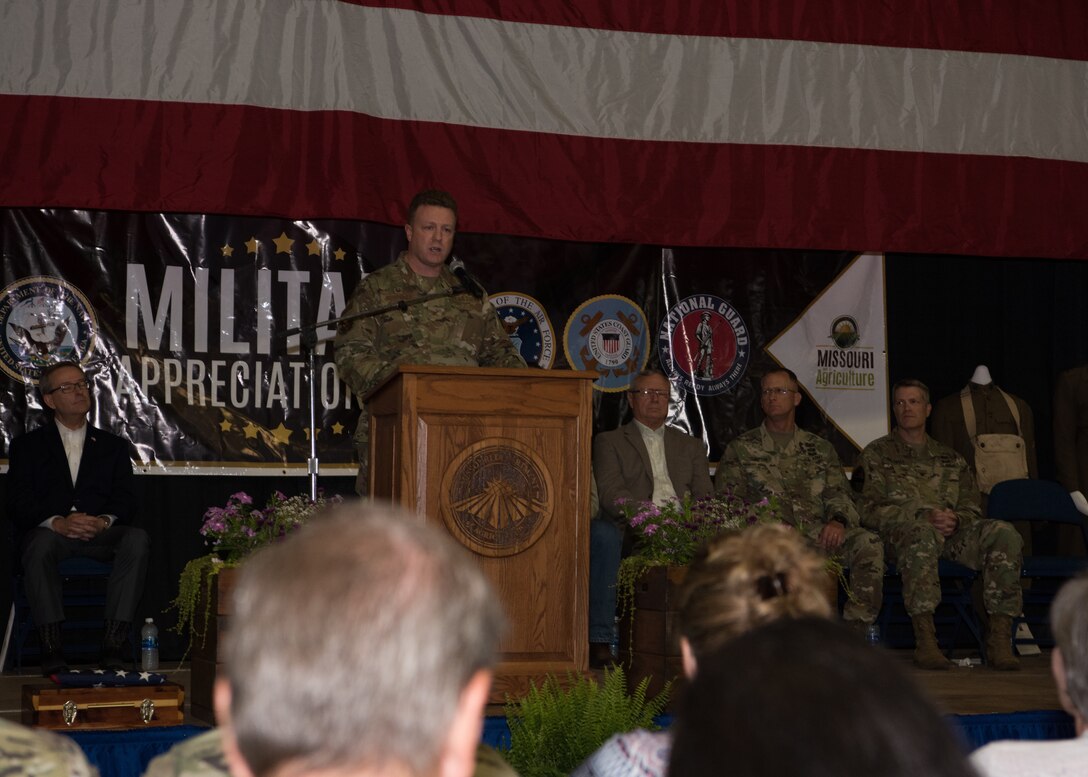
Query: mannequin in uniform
[992,416]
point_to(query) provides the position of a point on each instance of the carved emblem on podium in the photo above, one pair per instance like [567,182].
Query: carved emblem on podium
[497,497]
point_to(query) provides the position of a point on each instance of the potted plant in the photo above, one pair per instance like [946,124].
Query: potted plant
[233,532]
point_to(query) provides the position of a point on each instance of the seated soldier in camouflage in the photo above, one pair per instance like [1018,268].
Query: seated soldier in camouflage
[921,498]
[803,473]
[30,751]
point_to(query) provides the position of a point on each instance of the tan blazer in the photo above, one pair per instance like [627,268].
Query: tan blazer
[621,466]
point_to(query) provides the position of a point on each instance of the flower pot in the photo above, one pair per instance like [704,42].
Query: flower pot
[649,639]
[205,652]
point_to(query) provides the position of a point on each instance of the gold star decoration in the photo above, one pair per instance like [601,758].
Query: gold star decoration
[251,430]
[227,250]
[251,245]
[337,428]
[225,425]
[283,243]
[281,434]
[339,254]
[313,248]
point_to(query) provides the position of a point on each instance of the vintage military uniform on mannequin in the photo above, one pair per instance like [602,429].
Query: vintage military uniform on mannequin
[1071,444]
[990,411]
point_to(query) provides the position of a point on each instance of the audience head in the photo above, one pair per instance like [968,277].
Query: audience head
[363,644]
[744,579]
[806,697]
[1069,659]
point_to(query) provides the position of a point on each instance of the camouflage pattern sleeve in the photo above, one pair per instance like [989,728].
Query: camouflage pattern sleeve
[27,751]
[356,353]
[496,348]
[729,476]
[199,756]
[968,503]
[837,496]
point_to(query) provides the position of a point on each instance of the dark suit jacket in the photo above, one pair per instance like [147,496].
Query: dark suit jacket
[40,486]
[622,466]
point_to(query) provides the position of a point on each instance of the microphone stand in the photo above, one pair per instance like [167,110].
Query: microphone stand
[308,344]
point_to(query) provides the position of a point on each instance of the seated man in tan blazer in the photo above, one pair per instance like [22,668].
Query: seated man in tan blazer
[641,461]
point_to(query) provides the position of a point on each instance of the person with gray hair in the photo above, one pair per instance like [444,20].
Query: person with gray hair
[1069,666]
[364,643]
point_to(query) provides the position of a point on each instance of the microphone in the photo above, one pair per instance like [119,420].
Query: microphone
[467,281]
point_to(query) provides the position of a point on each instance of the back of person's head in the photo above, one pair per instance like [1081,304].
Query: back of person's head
[806,697]
[1069,624]
[748,578]
[351,645]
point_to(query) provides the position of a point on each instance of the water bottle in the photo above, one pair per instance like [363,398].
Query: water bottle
[149,646]
[872,635]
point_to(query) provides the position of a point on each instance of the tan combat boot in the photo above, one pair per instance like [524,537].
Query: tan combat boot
[999,644]
[927,655]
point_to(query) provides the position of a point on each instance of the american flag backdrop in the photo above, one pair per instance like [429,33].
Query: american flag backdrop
[916,126]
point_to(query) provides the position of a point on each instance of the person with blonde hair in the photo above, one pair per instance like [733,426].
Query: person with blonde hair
[738,582]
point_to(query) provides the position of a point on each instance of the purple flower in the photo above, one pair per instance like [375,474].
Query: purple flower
[242,497]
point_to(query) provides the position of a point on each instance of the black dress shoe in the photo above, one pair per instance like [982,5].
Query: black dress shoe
[52,655]
[111,660]
[600,655]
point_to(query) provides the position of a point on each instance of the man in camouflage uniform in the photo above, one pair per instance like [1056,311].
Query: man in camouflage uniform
[921,498]
[28,751]
[456,330]
[803,473]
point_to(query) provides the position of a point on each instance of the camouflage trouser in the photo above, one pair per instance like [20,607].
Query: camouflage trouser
[863,555]
[994,547]
[362,454]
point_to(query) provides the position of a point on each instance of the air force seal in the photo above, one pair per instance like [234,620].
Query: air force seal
[43,320]
[704,345]
[528,326]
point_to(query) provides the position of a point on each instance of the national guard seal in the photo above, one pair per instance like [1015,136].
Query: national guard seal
[704,345]
[528,326]
[497,497]
[44,320]
[607,334]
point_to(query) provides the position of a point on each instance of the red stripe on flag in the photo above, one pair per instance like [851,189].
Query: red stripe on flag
[1056,28]
[148,156]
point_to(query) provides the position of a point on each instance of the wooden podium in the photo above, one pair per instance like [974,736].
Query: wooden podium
[500,458]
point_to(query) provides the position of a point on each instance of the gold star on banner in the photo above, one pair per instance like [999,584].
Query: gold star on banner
[337,428]
[251,245]
[313,248]
[227,250]
[339,254]
[281,434]
[251,430]
[283,243]
[226,425]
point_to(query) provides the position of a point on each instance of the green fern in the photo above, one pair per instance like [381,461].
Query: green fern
[554,728]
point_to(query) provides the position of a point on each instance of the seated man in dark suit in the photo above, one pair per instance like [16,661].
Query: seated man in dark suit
[69,494]
[641,461]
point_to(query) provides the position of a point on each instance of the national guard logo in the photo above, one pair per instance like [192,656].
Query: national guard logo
[44,320]
[528,326]
[497,497]
[609,335]
[844,332]
[703,343]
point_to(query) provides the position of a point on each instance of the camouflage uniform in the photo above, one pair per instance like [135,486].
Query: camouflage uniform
[901,485]
[459,331]
[28,751]
[200,756]
[807,480]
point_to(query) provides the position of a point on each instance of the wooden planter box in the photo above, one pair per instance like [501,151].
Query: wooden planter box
[205,654]
[650,642]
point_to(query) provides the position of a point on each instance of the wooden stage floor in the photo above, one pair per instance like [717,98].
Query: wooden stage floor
[962,690]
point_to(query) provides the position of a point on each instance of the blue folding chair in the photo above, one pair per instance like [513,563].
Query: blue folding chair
[1038,501]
